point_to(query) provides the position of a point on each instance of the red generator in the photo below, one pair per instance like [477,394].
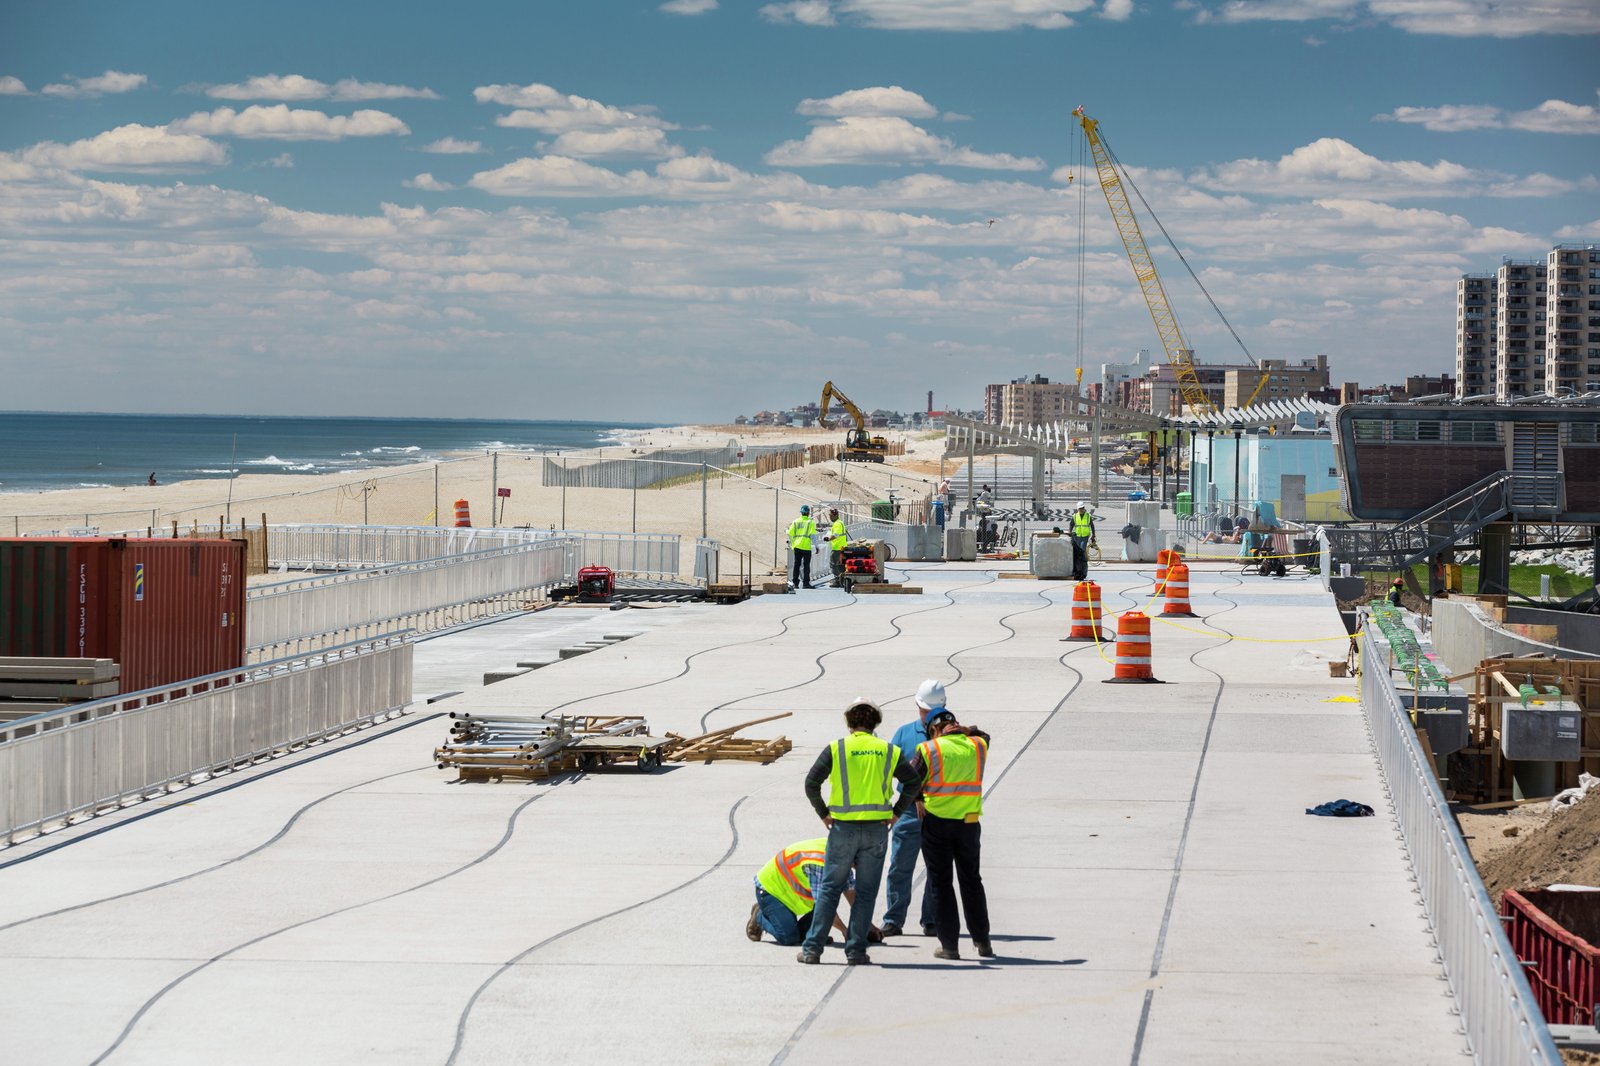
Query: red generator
[859,560]
[596,584]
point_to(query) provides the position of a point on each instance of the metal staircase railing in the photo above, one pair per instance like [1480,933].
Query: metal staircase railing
[1450,521]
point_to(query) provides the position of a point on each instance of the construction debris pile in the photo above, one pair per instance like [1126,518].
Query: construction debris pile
[491,747]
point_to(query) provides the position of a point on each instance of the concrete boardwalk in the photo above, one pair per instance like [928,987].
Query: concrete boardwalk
[1159,895]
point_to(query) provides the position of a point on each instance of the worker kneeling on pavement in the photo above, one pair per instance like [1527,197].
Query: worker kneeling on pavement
[860,771]
[786,889]
[950,766]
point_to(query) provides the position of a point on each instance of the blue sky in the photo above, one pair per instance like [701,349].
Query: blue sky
[692,209]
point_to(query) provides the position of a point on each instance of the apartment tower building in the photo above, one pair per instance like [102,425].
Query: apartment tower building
[1572,319]
[1476,305]
[1519,329]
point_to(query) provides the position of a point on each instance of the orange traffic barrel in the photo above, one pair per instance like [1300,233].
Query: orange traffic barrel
[1164,560]
[463,515]
[1133,651]
[1086,614]
[1177,591]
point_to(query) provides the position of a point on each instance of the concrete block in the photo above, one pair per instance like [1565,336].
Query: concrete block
[493,676]
[535,664]
[1050,556]
[924,543]
[1541,734]
[960,545]
[574,650]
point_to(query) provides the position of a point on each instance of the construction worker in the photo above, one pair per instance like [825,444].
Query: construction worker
[905,839]
[858,769]
[1395,591]
[950,766]
[801,530]
[786,895]
[1082,538]
[837,539]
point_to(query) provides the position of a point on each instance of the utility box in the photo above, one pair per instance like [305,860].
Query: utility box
[1548,733]
[1050,555]
[960,545]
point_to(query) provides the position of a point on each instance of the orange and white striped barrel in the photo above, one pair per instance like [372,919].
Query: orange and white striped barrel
[1133,651]
[1086,613]
[1164,560]
[463,515]
[1177,591]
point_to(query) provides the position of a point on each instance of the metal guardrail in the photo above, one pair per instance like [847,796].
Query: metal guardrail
[99,757]
[298,546]
[426,596]
[1498,1010]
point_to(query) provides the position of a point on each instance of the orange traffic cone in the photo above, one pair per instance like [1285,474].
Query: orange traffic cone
[1164,560]
[463,515]
[1086,614]
[1177,591]
[1133,652]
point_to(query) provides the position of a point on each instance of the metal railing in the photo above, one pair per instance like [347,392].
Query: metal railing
[1498,1011]
[425,596]
[335,547]
[98,757]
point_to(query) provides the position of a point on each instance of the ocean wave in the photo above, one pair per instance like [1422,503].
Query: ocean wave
[213,470]
[271,460]
[410,449]
[93,485]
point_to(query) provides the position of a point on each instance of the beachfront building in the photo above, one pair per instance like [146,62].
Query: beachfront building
[1034,401]
[1519,329]
[1476,301]
[1572,319]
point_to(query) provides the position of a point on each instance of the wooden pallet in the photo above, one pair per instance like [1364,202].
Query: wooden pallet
[723,744]
[884,588]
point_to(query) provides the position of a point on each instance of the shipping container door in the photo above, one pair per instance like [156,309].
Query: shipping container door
[33,602]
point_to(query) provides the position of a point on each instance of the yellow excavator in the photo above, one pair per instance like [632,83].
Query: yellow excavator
[859,445]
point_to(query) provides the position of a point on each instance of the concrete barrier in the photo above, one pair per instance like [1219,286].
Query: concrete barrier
[1464,636]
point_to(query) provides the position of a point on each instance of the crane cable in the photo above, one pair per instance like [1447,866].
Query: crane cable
[1128,179]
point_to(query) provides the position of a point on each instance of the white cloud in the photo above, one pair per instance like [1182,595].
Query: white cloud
[886,140]
[615,144]
[451,146]
[1333,167]
[1117,10]
[1552,116]
[278,122]
[578,113]
[878,100]
[112,81]
[349,90]
[689,7]
[271,87]
[12,86]
[559,176]
[1448,18]
[534,95]
[427,183]
[281,161]
[959,15]
[132,148]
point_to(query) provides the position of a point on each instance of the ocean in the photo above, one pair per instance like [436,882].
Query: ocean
[40,450]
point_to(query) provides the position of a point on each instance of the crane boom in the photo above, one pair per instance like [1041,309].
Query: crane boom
[1179,354]
[859,445]
[829,394]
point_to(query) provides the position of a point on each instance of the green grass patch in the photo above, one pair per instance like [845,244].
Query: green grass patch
[1564,584]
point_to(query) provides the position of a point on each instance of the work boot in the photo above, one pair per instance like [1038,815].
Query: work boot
[810,958]
[857,960]
[946,953]
[890,929]
[984,950]
[930,930]
[752,928]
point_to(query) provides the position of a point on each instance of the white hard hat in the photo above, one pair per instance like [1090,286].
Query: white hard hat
[930,695]
[1081,505]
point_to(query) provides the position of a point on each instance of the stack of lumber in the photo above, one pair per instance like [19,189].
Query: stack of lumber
[62,680]
[723,744]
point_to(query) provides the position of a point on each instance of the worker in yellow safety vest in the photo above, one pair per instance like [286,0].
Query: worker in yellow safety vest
[837,539]
[860,771]
[786,889]
[1082,538]
[950,766]
[801,530]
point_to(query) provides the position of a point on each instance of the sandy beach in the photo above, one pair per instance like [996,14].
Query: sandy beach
[739,512]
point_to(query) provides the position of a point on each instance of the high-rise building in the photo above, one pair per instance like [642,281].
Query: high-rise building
[1285,380]
[1476,304]
[1572,319]
[1034,401]
[1519,329]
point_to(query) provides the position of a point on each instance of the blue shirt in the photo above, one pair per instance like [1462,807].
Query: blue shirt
[908,738]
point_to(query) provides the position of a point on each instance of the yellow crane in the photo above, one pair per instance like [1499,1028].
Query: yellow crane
[859,445]
[1179,354]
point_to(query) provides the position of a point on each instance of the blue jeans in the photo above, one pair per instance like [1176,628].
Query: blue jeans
[905,845]
[850,844]
[777,919]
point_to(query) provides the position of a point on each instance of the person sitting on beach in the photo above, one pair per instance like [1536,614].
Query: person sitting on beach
[151,480]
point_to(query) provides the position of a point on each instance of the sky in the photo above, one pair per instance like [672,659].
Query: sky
[694,209]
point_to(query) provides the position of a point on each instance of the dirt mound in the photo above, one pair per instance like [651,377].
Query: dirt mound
[1565,850]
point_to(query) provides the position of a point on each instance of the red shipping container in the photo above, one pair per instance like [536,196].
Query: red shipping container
[164,610]
[1554,934]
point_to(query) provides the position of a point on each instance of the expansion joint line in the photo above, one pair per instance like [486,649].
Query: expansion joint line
[1188,822]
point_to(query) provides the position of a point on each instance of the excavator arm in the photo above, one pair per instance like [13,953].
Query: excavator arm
[829,394]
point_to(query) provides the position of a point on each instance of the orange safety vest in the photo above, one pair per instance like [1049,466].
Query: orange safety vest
[954,785]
